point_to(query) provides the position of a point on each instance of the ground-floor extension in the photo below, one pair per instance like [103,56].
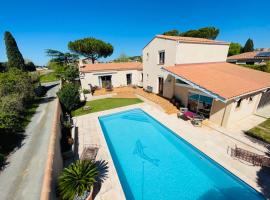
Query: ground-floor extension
[222,92]
[221,113]
[111,74]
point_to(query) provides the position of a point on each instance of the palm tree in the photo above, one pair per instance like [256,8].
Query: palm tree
[77,178]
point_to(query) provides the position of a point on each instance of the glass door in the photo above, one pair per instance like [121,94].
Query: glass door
[105,80]
[200,104]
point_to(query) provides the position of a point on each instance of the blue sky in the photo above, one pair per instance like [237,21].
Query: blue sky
[127,24]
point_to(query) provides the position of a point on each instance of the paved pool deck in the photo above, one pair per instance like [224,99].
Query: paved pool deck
[213,141]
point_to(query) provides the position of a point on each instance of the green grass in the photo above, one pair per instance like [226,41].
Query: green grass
[261,132]
[50,77]
[105,104]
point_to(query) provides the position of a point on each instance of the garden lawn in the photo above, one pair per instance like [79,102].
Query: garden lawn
[105,104]
[261,132]
[50,77]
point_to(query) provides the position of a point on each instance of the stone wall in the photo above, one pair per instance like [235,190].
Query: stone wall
[54,164]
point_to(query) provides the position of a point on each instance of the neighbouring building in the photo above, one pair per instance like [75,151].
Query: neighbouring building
[250,58]
[115,74]
[195,71]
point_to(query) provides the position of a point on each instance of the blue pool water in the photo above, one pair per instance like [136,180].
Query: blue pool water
[153,163]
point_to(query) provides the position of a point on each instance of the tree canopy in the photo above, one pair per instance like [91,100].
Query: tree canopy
[61,57]
[122,58]
[173,32]
[206,32]
[30,66]
[91,48]
[235,48]
[15,58]
[249,46]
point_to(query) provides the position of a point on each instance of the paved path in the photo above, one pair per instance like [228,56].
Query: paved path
[22,178]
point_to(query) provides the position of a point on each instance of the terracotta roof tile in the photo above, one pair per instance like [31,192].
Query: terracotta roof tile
[111,66]
[244,56]
[192,40]
[223,79]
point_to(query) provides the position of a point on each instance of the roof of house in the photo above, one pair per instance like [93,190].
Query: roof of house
[121,66]
[224,80]
[249,56]
[192,40]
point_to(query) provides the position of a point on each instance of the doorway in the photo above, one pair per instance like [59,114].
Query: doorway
[105,81]
[129,79]
[160,85]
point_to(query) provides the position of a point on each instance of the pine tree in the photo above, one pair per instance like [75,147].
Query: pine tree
[15,58]
[249,46]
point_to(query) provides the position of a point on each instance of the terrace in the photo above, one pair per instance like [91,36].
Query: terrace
[210,139]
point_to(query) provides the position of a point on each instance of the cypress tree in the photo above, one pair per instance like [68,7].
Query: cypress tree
[15,58]
[249,46]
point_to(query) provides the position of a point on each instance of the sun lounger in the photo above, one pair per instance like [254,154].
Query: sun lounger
[196,119]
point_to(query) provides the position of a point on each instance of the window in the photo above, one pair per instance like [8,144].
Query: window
[161,57]
[250,99]
[147,56]
[238,103]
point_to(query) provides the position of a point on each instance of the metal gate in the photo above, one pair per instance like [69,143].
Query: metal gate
[265,99]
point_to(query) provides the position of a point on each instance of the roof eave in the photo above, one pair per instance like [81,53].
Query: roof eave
[215,96]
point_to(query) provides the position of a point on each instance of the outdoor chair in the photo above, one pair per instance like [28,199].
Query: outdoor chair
[89,152]
[109,88]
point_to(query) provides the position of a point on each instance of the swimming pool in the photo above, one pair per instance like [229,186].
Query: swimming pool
[152,162]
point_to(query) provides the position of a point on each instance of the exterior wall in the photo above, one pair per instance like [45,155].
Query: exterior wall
[151,68]
[181,93]
[200,53]
[118,78]
[54,163]
[246,109]
[217,114]
[169,84]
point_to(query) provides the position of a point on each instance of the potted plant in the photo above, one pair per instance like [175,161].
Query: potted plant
[77,180]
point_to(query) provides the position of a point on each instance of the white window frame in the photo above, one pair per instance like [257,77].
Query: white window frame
[161,51]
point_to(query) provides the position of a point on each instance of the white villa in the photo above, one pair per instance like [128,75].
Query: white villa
[115,74]
[195,71]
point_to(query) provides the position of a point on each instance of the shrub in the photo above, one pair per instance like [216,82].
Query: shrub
[2,160]
[77,178]
[86,91]
[40,91]
[18,82]
[69,97]
[70,73]
[11,107]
